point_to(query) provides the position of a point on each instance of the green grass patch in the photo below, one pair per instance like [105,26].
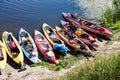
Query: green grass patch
[116,27]
[63,63]
[101,68]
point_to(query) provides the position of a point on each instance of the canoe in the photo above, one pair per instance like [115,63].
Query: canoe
[15,53]
[3,59]
[74,42]
[82,35]
[28,45]
[53,37]
[44,46]
[48,31]
[88,25]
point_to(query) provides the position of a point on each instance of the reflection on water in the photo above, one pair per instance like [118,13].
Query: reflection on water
[31,14]
[93,8]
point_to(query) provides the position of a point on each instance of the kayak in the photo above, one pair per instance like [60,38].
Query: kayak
[54,39]
[82,35]
[3,57]
[15,53]
[74,42]
[44,46]
[87,25]
[51,34]
[28,45]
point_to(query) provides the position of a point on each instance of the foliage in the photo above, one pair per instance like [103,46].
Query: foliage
[116,8]
[116,27]
[102,68]
[107,17]
[111,15]
[63,63]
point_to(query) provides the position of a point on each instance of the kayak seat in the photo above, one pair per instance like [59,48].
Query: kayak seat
[1,58]
[29,46]
[44,46]
[82,45]
[24,34]
[50,53]
[79,42]
[80,20]
[14,51]
[68,36]
[49,30]
[85,22]
[39,37]
[54,37]
[84,36]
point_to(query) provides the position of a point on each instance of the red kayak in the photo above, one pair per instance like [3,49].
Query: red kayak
[82,35]
[44,46]
[87,25]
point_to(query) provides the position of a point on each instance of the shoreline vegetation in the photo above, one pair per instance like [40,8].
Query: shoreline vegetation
[101,68]
[63,63]
[111,17]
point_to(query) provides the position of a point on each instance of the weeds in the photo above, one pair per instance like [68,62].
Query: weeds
[102,68]
[111,17]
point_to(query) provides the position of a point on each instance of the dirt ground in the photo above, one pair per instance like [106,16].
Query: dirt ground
[41,73]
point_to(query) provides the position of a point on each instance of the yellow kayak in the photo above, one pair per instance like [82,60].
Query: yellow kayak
[48,31]
[16,53]
[74,42]
[3,57]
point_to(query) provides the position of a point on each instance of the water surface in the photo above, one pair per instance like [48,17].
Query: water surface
[31,14]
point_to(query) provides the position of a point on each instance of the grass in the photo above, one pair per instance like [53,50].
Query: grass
[116,27]
[63,63]
[107,17]
[111,17]
[102,68]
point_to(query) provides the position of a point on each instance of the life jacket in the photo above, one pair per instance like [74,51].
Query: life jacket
[79,31]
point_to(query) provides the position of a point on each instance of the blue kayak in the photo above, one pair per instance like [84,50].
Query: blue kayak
[28,45]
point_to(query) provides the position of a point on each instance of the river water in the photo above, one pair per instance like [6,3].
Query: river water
[31,14]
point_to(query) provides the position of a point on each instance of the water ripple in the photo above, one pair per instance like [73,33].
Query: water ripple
[31,14]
